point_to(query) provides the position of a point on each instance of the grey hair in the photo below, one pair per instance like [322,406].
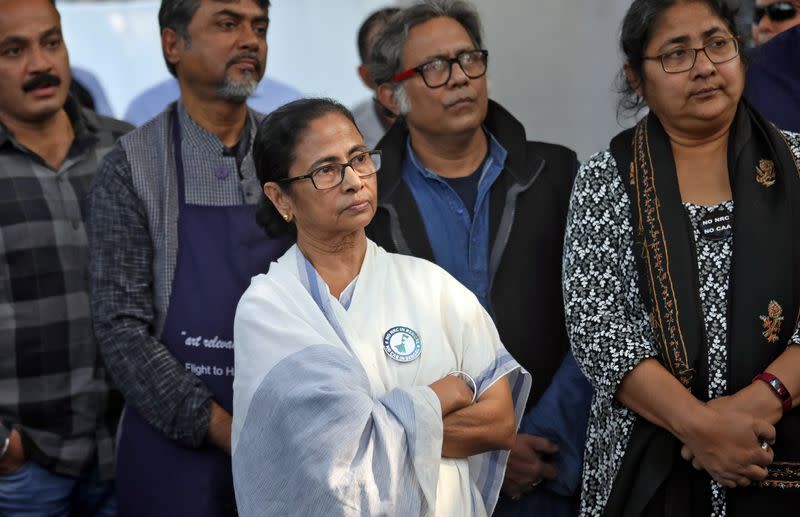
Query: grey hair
[177,14]
[387,53]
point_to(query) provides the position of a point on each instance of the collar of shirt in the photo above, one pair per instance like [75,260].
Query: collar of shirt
[85,126]
[198,138]
[460,243]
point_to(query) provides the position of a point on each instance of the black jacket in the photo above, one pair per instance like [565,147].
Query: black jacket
[527,217]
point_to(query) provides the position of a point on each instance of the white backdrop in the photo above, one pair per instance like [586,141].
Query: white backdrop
[552,62]
[312,45]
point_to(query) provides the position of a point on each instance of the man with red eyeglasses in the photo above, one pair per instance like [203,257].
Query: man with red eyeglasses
[461,185]
[773,74]
[771,17]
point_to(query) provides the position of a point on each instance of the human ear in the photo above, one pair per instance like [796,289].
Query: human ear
[385,95]
[280,199]
[633,78]
[171,46]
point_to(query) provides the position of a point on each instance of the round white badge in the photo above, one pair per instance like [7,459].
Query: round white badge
[402,344]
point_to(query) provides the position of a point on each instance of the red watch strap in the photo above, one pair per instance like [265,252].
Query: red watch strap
[778,387]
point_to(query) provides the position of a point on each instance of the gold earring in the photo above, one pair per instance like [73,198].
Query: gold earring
[286,217]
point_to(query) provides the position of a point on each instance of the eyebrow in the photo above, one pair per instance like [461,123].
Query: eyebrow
[239,16]
[55,31]
[335,159]
[21,40]
[444,56]
[685,38]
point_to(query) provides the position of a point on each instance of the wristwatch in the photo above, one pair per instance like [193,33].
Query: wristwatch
[5,440]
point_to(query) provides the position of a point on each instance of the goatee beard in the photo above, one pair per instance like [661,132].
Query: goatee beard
[237,91]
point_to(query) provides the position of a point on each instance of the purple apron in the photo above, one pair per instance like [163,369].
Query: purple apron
[219,249]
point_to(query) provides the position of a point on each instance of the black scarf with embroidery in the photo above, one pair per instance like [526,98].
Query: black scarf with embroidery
[763,294]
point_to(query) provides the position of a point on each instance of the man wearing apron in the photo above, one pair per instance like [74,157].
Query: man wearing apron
[174,244]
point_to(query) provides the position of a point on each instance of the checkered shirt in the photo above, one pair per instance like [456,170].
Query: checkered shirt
[53,386]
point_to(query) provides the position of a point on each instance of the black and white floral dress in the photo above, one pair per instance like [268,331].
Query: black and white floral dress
[607,321]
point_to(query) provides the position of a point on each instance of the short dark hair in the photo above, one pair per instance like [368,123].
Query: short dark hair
[387,53]
[274,151]
[635,35]
[378,17]
[177,14]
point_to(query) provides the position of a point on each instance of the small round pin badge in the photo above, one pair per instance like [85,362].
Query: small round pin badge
[402,344]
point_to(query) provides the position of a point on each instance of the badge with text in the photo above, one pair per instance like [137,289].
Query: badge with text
[717,225]
[402,344]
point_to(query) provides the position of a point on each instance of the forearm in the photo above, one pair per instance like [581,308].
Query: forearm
[169,397]
[219,428]
[487,425]
[653,393]
[152,381]
[759,400]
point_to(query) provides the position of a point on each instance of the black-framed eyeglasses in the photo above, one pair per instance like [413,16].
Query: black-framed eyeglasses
[777,12]
[437,71]
[718,50]
[331,175]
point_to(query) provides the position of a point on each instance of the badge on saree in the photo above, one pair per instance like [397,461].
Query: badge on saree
[402,344]
[717,225]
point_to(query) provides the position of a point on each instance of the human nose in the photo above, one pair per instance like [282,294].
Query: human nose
[350,178]
[251,38]
[702,63]
[39,61]
[457,74]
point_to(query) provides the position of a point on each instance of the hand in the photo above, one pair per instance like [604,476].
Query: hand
[219,428]
[526,466]
[453,393]
[727,444]
[14,457]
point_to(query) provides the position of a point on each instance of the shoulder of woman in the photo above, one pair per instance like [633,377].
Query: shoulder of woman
[598,172]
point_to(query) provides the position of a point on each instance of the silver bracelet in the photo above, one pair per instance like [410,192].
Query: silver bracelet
[467,378]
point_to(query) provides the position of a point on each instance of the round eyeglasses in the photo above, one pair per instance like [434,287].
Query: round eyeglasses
[437,71]
[718,50]
[331,175]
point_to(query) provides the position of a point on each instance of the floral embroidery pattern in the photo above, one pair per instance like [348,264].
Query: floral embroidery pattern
[665,314]
[782,475]
[765,173]
[772,322]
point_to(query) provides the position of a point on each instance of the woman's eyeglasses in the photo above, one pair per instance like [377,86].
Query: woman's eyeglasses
[777,12]
[331,175]
[719,50]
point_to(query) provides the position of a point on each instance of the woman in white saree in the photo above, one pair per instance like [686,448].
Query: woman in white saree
[367,383]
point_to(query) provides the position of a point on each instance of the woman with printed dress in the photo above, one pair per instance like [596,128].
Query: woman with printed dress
[682,284]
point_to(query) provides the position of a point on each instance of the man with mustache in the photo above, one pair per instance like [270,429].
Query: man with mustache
[174,243]
[56,426]
[773,77]
[461,185]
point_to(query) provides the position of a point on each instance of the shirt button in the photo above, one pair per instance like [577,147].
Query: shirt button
[76,224]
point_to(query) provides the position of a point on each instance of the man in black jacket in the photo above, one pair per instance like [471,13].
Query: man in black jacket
[460,185]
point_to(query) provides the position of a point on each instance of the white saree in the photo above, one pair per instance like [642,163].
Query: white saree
[326,423]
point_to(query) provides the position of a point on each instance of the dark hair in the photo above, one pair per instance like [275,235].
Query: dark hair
[378,17]
[177,14]
[274,151]
[387,53]
[637,27]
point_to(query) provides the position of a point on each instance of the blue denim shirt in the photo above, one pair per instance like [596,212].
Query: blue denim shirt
[460,243]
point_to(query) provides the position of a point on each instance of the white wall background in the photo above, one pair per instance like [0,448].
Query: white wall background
[312,45]
[553,65]
[552,62]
